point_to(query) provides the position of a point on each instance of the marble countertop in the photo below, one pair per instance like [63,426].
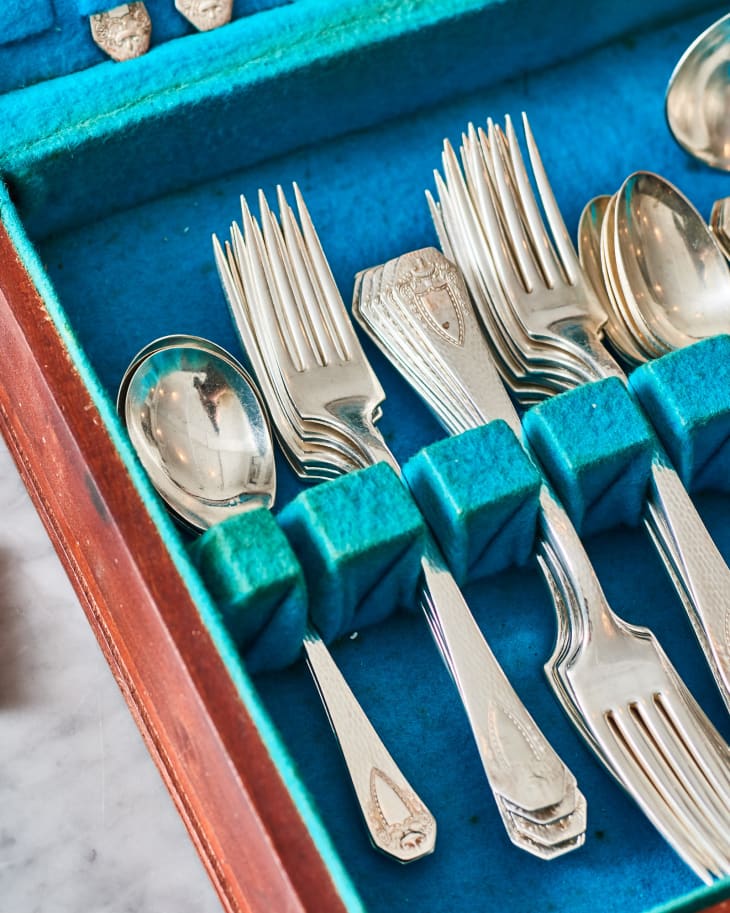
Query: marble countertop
[87,825]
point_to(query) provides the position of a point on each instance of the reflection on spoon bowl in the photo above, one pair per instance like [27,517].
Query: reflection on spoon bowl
[200,430]
[674,277]
[698,97]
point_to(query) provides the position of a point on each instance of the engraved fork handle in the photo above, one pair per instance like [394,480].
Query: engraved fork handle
[398,822]
[519,762]
[693,560]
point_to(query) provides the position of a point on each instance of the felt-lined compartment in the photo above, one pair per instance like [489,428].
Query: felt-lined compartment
[596,446]
[146,270]
[687,395]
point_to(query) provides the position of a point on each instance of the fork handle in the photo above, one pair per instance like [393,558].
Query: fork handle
[521,765]
[694,563]
[398,822]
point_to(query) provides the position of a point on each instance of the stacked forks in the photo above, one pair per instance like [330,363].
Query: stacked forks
[542,325]
[324,400]
[543,321]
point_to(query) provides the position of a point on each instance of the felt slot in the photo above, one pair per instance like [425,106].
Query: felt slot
[258,585]
[596,447]
[360,540]
[479,493]
[687,396]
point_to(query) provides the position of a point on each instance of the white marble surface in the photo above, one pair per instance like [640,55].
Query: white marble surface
[86,825]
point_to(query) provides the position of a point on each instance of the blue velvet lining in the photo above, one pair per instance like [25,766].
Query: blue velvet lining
[147,270]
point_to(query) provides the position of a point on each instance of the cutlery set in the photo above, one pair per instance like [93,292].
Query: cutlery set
[507,309]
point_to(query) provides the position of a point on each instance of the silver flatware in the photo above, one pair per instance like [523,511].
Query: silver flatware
[698,98]
[205,14]
[301,343]
[200,429]
[602,669]
[122,32]
[526,274]
[538,283]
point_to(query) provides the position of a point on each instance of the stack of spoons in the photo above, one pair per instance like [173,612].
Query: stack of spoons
[659,271]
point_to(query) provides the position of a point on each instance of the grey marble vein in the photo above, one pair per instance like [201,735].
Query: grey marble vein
[86,823]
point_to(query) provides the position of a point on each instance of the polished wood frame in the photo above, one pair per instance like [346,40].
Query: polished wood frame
[246,828]
[243,821]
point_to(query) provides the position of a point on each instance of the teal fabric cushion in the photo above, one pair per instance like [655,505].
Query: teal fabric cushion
[253,575]
[479,493]
[596,446]
[22,18]
[360,540]
[687,396]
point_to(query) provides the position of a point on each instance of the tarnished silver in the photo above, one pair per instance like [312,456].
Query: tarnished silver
[533,277]
[324,396]
[200,429]
[206,14]
[606,673]
[122,32]
[698,97]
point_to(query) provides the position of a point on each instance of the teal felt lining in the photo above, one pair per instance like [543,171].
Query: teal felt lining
[339,66]
[23,18]
[687,396]
[479,493]
[147,269]
[257,583]
[360,539]
[596,445]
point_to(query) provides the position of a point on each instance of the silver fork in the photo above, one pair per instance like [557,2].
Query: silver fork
[540,275]
[613,679]
[332,380]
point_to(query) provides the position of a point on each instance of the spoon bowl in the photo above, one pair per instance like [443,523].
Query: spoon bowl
[200,430]
[674,277]
[698,97]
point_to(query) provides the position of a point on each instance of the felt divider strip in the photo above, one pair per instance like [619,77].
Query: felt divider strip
[479,493]
[687,396]
[360,540]
[596,446]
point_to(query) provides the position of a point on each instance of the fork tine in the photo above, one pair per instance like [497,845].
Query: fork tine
[675,784]
[566,251]
[438,222]
[301,269]
[623,761]
[497,252]
[705,747]
[692,776]
[282,285]
[344,335]
[519,244]
[269,324]
[541,244]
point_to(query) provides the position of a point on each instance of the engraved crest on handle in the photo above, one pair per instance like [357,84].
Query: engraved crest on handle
[206,14]
[123,32]
[432,288]
[401,822]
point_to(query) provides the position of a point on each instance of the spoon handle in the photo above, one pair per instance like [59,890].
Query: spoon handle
[398,822]
[695,564]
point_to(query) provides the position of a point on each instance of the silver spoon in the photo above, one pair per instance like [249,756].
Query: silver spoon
[698,97]
[589,251]
[201,432]
[677,282]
